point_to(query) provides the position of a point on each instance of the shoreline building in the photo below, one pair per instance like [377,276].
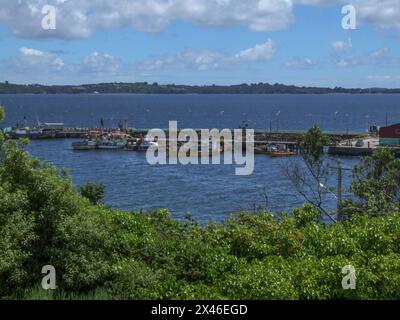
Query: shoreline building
[389,136]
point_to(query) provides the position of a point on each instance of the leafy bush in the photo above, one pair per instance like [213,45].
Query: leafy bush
[93,192]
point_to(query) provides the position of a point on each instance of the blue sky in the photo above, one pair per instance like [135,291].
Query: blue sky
[299,42]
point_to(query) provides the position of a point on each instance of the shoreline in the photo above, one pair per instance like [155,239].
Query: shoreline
[198,94]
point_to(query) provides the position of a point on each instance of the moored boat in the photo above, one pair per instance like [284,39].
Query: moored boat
[21,133]
[132,145]
[111,144]
[146,144]
[84,145]
[279,151]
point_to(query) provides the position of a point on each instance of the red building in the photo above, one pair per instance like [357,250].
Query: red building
[390,136]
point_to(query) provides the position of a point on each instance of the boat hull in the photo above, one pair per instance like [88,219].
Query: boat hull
[281,154]
[110,147]
[84,145]
[80,148]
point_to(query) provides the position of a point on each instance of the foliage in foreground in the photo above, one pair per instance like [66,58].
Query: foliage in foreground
[100,253]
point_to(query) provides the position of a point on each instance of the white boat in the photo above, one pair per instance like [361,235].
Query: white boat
[35,131]
[21,133]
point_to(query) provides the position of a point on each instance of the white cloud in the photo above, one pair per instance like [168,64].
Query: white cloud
[210,59]
[58,63]
[342,45]
[100,63]
[380,78]
[383,14]
[298,63]
[378,57]
[32,60]
[81,18]
[28,52]
[379,54]
[36,66]
[315,2]
[260,52]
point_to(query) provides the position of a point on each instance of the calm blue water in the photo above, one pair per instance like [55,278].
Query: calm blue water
[208,192]
[298,112]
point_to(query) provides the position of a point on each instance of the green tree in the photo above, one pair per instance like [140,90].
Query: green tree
[2,115]
[376,184]
[16,232]
[312,145]
[93,192]
[309,175]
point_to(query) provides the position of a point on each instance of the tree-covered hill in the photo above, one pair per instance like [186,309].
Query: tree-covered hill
[155,88]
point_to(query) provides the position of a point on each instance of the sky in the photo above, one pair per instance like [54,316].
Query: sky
[200,42]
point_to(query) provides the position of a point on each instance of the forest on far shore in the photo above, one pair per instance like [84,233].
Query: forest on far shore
[155,88]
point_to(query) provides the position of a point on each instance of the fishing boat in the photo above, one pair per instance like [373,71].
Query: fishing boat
[35,133]
[21,133]
[132,144]
[111,144]
[279,151]
[85,145]
[113,141]
[282,153]
[260,150]
[146,144]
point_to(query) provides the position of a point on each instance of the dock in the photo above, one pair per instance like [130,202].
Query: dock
[349,148]
[342,143]
[260,135]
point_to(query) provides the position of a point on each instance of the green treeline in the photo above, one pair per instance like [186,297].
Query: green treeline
[155,88]
[101,253]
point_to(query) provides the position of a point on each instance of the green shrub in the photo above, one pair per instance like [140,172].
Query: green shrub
[270,278]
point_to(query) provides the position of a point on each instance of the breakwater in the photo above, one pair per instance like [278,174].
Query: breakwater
[260,136]
[341,144]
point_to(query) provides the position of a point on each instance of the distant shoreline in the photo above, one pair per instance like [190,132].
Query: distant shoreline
[194,94]
[155,88]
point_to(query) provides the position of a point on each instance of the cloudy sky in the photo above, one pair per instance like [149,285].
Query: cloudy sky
[299,42]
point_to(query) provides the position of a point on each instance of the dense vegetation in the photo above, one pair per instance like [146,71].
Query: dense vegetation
[144,87]
[101,253]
